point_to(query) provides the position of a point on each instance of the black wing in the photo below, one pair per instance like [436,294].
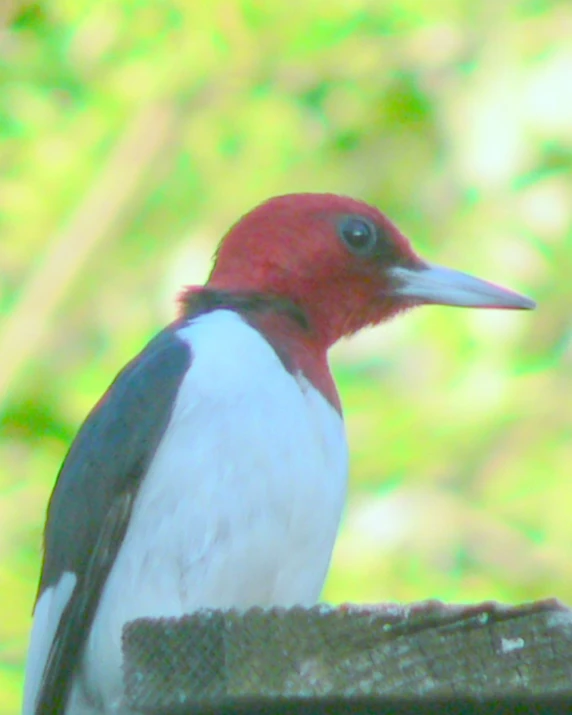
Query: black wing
[91,503]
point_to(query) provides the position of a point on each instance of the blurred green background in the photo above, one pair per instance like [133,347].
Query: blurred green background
[134,132]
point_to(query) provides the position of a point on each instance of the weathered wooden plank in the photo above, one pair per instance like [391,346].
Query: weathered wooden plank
[421,651]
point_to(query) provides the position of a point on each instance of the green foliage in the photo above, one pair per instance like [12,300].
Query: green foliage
[133,133]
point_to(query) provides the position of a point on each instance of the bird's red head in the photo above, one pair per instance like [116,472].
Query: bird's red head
[342,262]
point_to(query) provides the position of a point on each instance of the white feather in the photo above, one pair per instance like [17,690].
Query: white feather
[240,505]
[47,614]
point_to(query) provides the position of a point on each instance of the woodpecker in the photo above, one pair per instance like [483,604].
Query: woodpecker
[213,471]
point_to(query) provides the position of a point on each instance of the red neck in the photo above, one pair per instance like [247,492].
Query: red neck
[281,322]
[299,353]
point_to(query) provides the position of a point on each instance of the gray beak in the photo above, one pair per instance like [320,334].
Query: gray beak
[443,286]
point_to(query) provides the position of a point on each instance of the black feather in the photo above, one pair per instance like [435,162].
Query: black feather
[89,510]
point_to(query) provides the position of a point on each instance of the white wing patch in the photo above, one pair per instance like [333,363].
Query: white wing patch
[47,614]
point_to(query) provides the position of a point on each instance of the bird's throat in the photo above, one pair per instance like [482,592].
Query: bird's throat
[282,323]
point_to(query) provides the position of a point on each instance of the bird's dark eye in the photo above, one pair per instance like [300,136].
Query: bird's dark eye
[359,234]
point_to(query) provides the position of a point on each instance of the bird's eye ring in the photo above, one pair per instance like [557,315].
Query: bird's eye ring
[359,234]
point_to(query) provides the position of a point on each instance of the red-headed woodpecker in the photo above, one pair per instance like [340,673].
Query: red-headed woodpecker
[213,471]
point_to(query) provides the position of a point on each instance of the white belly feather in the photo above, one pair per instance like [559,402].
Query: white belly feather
[241,503]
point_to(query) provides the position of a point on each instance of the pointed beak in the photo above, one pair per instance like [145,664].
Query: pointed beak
[443,286]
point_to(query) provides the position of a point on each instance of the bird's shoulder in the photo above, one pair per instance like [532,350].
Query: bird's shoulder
[112,450]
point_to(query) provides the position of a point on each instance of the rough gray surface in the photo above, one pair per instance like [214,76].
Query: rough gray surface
[424,650]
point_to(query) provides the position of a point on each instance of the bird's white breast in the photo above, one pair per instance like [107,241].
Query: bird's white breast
[242,501]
